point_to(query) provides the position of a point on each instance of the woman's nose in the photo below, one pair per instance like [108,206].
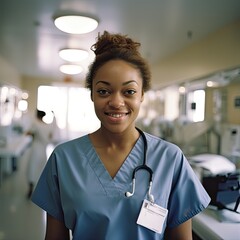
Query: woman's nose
[116,101]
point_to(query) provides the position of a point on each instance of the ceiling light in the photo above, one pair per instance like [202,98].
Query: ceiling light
[75,24]
[210,83]
[71,69]
[22,105]
[182,89]
[73,55]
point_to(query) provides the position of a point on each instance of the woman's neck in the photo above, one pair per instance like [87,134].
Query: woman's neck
[105,138]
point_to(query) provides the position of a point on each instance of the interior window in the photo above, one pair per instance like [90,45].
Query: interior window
[196,105]
[72,108]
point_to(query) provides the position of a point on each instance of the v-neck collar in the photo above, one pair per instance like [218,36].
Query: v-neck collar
[118,184]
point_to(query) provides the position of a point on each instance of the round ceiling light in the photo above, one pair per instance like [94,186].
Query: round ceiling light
[73,54]
[71,69]
[75,24]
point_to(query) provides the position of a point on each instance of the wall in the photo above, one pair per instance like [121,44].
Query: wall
[219,51]
[8,74]
[230,114]
[233,113]
[31,84]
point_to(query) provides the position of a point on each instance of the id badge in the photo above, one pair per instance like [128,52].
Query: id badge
[152,216]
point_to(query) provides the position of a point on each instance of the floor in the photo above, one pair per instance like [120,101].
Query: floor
[20,219]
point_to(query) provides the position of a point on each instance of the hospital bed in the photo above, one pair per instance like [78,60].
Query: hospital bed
[214,223]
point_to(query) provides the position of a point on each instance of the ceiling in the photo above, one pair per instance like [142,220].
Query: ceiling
[30,42]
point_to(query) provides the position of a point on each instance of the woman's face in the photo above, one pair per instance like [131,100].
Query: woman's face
[117,95]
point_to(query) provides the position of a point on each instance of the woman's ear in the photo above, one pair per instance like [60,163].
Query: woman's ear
[91,95]
[142,98]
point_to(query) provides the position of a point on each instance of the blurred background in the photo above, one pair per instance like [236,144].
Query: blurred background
[193,48]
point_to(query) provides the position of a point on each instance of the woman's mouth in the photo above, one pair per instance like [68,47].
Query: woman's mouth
[116,115]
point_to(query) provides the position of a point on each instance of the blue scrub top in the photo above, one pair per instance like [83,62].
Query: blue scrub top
[76,188]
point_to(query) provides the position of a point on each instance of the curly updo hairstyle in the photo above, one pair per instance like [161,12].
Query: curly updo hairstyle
[118,47]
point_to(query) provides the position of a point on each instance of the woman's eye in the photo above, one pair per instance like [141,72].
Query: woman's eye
[103,92]
[130,92]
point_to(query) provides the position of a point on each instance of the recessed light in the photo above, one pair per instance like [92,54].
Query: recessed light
[73,55]
[71,69]
[75,24]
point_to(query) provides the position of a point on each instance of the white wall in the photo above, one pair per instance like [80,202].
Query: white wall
[8,74]
[219,51]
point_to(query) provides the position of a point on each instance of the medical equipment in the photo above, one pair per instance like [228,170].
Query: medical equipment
[223,190]
[142,167]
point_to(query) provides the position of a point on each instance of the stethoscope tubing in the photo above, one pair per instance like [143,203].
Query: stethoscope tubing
[142,167]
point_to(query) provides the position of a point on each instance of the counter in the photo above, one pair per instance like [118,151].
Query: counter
[207,225]
[14,148]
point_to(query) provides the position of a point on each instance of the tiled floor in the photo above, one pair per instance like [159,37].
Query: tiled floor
[20,219]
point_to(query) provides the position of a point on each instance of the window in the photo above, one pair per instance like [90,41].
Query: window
[72,107]
[196,105]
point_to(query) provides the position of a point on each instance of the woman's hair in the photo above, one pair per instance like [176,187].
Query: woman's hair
[118,47]
[40,114]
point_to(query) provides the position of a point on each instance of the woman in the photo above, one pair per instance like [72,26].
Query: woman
[42,134]
[87,183]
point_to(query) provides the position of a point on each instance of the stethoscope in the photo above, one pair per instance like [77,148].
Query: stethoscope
[142,167]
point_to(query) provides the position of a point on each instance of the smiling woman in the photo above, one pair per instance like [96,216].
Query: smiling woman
[100,166]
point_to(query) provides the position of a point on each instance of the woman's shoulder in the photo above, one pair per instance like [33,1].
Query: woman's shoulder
[77,143]
[158,142]
[164,151]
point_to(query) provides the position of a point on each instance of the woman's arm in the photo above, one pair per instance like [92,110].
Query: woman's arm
[56,230]
[181,232]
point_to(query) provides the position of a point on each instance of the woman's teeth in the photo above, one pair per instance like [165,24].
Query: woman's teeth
[115,115]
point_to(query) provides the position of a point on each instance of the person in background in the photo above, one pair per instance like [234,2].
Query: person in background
[42,135]
[87,186]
